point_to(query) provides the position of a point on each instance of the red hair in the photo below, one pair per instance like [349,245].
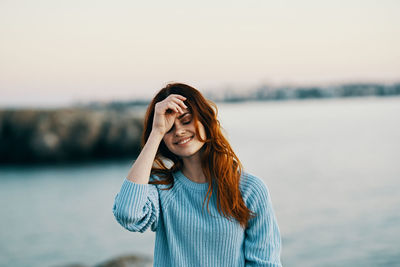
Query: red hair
[220,164]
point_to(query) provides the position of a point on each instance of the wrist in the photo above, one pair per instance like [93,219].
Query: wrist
[156,134]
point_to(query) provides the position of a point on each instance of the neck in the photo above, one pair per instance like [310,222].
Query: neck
[192,169]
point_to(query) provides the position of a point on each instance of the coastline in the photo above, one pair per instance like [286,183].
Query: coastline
[68,134]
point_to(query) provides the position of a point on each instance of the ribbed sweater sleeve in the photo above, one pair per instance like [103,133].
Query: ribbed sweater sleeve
[262,236]
[136,206]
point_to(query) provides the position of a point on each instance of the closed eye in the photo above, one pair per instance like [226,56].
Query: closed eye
[187,121]
[187,118]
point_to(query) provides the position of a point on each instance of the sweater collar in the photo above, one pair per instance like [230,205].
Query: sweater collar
[189,183]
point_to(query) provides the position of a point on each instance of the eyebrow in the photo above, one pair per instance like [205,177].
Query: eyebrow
[181,116]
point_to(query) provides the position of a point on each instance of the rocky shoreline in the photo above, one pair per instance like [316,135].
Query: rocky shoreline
[119,261]
[69,134]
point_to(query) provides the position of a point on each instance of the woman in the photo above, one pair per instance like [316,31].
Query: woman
[186,160]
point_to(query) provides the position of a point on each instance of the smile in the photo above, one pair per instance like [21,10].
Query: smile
[184,141]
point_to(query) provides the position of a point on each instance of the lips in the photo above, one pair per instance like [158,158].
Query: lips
[184,140]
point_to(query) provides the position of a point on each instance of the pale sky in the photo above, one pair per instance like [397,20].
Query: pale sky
[54,52]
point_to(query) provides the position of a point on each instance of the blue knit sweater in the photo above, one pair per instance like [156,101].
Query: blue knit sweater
[188,236]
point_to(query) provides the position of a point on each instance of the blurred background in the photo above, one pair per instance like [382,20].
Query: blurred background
[308,95]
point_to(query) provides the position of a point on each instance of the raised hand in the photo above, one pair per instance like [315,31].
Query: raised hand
[166,111]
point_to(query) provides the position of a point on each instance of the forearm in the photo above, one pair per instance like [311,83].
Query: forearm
[141,168]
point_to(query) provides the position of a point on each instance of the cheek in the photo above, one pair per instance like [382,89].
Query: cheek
[167,141]
[202,131]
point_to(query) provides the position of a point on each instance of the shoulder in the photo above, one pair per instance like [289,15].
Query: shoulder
[250,183]
[253,189]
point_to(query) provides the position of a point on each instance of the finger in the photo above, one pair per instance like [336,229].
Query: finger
[173,106]
[178,96]
[179,102]
[178,107]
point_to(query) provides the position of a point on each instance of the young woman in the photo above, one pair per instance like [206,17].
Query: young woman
[186,162]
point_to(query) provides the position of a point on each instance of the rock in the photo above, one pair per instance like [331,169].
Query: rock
[128,261]
[72,265]
[73,134]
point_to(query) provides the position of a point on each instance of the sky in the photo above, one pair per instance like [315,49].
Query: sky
[59,52]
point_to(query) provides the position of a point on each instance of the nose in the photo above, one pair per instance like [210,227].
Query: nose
[179,130]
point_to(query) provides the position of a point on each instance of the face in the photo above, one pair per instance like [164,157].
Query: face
[181,139]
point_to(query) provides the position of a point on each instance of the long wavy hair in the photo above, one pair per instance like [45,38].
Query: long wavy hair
[219,163]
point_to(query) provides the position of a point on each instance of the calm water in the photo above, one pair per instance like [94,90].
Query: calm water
[332,168]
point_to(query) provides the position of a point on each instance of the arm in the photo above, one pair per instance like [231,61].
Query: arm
[140,171]
[162,122]
[136,206]
[262,236]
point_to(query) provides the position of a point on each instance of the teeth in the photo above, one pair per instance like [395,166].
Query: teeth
[184,141]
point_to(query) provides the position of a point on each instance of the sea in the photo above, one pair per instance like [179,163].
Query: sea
[332,167]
